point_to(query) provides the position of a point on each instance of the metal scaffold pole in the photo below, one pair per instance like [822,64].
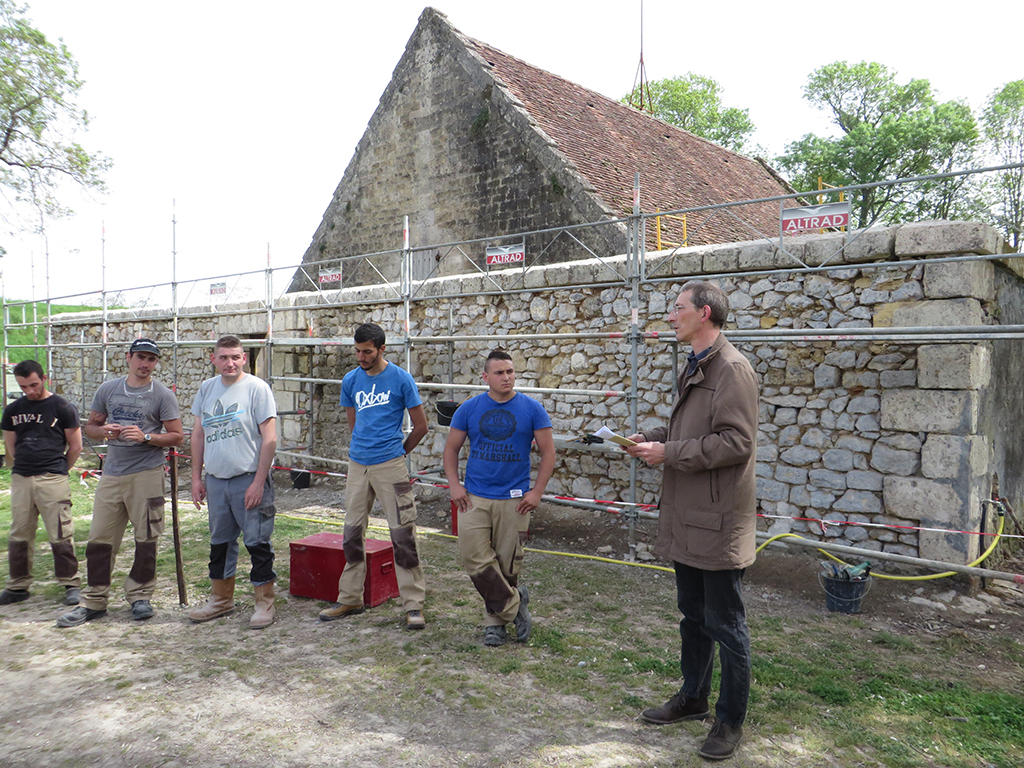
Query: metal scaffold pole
[635,225]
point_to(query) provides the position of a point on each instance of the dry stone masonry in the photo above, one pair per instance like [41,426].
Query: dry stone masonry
[859,432]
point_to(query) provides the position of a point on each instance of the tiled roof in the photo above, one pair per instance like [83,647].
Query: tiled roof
[608,141]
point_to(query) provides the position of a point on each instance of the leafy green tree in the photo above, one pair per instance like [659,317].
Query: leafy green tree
[39,118]
[694,103]
[1003,122]
[888,131]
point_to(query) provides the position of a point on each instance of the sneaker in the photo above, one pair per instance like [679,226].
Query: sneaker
[72,595]
[677,708]
[79,615]
[721,742]
[495,635]
[141,609]
[339,610]
[523,619]
[9,596]
[415,620]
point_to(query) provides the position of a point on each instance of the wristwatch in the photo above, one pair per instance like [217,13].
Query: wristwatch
[147,437]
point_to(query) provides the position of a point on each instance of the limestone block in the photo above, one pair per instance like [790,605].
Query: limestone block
[722,258]
[937,238]
[972,279]
[872,244]
[953,366]
[917,499]
[892,461]
[913,410]
[771,490]
[935,313]
[897,379]
[824,249]
[864,502]
[952,456]
[762,255]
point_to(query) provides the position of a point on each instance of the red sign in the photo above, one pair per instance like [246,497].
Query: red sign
[826,216]
[330,276]
[506,254]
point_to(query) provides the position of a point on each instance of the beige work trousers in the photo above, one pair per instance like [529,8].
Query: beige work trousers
[491,536]
[389,484]
[137,498]
[49,497]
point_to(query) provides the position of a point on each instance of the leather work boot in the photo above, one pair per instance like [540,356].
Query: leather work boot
[340,610]
[721,742]
[676,709]
[221,601]
[264,615]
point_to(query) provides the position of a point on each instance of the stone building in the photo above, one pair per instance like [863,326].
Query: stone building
[470,142]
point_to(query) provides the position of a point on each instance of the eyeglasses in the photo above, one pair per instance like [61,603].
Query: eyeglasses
[676,308]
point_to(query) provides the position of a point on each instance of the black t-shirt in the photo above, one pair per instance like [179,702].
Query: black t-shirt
[39,425]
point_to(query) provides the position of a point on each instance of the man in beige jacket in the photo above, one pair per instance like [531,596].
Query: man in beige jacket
[708,514]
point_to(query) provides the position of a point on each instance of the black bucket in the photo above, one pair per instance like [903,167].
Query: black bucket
[844,595]
[300,478]
[445,411]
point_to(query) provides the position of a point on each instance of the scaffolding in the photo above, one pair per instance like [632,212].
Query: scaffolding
[260,295]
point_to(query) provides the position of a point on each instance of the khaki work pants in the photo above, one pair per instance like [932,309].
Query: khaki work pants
[491,536]
[49,497]
[137,498]
[389,484]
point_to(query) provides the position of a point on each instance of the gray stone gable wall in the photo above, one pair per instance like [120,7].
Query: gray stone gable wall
[853,431]
[451,147]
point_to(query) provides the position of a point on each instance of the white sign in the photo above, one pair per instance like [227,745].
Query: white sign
[506,254]
[218,289]
[815,217]
[330,275]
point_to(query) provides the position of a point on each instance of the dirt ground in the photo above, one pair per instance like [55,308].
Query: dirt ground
[365,692]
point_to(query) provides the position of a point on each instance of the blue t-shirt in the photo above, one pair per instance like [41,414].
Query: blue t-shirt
[500,436]
[380,402]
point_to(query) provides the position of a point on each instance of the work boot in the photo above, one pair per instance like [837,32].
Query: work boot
[341,610]
[523,620]
[721,742]
[142,609]
[9,596]
[677,708]
[72,595]
[264,615]
[414,620]
[495,635]
[222,600]
[80,615]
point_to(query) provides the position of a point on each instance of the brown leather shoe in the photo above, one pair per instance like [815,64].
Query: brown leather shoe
[721,742]
[676,709]
[340,610]
[415,620]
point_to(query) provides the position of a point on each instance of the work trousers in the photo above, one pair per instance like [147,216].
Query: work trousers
[491,538]
[389,484]
[137,498]
[228,517]
[49,497]
[712,606]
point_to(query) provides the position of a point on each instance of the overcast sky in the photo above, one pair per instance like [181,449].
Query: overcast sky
[244,115]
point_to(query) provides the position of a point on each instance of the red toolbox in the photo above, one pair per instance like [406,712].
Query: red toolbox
[318,560]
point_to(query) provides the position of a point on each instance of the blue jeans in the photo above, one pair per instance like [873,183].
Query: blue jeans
[712,606]
[229,517]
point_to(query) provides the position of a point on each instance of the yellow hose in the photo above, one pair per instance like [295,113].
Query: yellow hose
[944,574]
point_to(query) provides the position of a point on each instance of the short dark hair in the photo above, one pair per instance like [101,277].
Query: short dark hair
[26,368]
[705,294]
[370,332]
[228,342]
[496,354]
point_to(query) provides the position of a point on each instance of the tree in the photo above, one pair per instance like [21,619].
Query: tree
[889,131]
[39,118]
[694,103]
[1003,121]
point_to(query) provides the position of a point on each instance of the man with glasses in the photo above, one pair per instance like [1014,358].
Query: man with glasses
[707,519]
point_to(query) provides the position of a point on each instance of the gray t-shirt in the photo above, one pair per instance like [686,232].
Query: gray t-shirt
[231,418]
[147,408]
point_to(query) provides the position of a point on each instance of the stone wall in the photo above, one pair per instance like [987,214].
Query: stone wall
[852,430]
